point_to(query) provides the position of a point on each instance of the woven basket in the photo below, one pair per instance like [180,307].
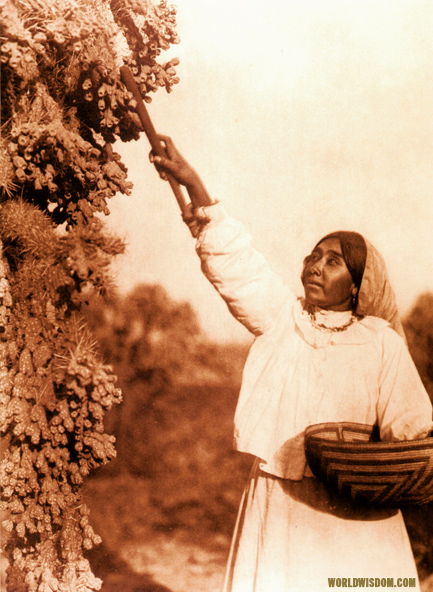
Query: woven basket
[350,460]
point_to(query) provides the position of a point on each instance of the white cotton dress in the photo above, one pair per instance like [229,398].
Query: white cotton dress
[291,533]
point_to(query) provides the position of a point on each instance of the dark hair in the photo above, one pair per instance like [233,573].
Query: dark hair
[354,249]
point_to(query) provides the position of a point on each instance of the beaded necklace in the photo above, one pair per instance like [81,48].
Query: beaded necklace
[326,329]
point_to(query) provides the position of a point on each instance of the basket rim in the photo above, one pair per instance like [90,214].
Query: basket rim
[366,444]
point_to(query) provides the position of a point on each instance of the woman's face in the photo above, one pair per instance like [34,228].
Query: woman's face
[327,281]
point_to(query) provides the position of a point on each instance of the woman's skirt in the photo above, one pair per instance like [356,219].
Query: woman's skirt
[293,536]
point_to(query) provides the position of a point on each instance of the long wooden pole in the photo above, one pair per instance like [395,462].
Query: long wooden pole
[155,142]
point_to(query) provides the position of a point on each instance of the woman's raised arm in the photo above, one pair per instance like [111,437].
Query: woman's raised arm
[253,293]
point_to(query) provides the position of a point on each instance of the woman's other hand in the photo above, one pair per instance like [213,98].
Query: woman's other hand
[175,165]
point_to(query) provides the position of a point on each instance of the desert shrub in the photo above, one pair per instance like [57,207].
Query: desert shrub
[419,331]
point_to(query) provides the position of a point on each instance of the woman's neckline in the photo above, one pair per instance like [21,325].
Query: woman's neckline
[330,321]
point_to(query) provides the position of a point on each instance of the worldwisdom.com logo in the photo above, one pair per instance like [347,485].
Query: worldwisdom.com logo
[372,583]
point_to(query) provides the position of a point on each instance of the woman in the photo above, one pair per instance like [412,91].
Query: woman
[338,354]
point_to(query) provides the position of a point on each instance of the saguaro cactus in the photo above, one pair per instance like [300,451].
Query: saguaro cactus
[63,106]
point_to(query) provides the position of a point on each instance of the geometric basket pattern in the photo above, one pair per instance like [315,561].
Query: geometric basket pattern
[350,460]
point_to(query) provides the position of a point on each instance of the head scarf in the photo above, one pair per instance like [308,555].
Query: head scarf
[376,296]
[368,270]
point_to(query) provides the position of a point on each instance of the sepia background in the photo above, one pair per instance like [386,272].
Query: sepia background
[303,117]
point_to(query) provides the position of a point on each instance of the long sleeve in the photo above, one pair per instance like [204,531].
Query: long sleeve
[253,293]
[404,408]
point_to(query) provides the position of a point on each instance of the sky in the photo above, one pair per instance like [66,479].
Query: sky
[303,117]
